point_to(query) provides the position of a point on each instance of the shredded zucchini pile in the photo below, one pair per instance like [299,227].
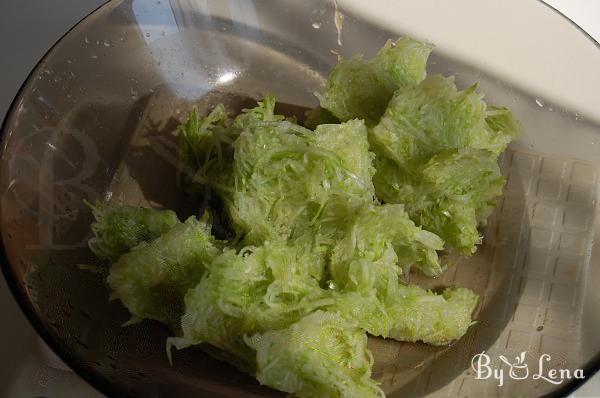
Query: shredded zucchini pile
[328,218]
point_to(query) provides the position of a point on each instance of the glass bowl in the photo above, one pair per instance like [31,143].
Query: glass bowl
[96,118]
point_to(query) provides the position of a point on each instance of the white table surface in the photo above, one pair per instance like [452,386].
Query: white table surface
[27,29]
[585,13]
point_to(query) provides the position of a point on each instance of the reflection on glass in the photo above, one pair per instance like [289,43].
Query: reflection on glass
[226,77]
[191,66]
[155,19]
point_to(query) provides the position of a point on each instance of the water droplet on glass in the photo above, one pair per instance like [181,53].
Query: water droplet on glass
[97,42]
[121,39]
[94,56]
[147,34]
[539,103]
[338,20]
[69,96]
[133,93]
[316,25]
[86,40]
[578,116]
[107,43]
[68,61]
